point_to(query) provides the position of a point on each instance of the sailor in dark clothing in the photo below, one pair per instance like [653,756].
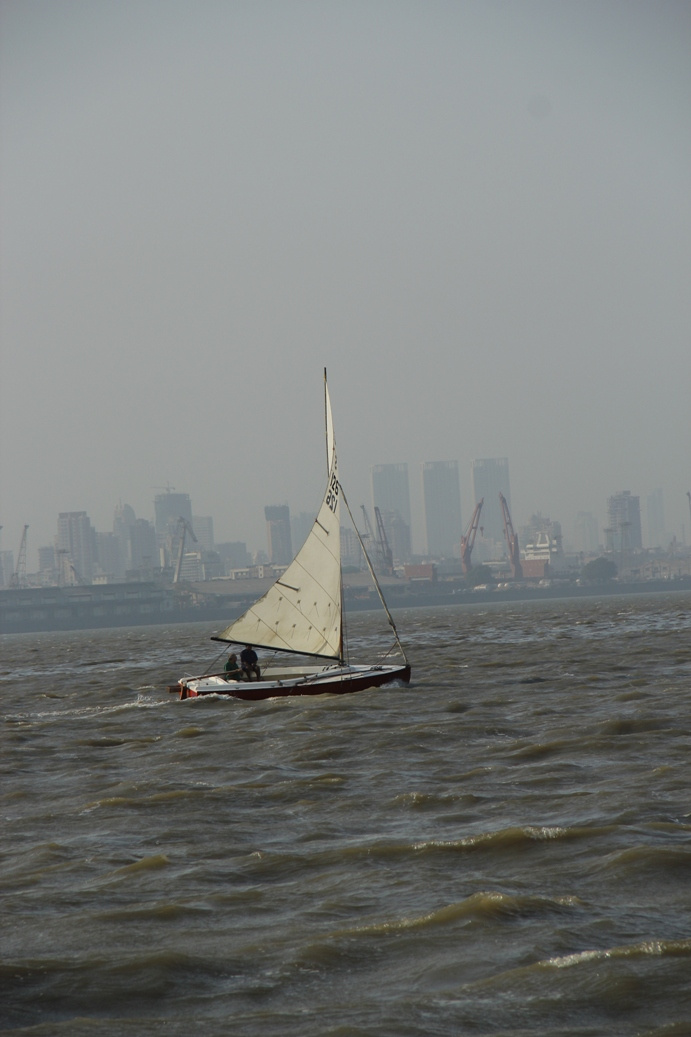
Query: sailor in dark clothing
[249,662]
[231,670]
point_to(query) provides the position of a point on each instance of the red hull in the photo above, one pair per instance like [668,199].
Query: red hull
[328,686]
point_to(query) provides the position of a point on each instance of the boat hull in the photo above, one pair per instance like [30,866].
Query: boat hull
[328,682]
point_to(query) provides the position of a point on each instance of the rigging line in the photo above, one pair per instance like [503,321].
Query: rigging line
[373,575]
[214,661]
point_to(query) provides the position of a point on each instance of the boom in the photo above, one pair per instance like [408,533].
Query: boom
[183,527]
[386,552]
[468,538]
[511,541]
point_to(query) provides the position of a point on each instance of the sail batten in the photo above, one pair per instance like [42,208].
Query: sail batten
[282,619]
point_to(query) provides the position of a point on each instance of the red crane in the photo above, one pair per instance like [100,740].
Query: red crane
[468,538]
[511,540]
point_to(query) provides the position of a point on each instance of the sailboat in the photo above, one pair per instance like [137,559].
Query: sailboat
[302,614]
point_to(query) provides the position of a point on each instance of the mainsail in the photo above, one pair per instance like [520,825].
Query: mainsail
[301,611]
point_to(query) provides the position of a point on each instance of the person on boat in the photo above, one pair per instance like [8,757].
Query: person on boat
[231,670]
[250,662]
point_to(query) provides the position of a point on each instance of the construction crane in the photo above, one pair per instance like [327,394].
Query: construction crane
[468,538]
[81,582]
[385,550]
[511,541]
[372,543]
[369,535]
[183,527]
[19,575]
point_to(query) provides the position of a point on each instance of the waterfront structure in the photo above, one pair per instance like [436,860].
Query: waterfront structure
[542,541]
[490,478]
[624,522]
[76,546]
[279,538]
[441,496]
[391,494]
[6,567]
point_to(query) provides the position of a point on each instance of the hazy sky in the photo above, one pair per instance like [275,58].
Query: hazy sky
[476,214]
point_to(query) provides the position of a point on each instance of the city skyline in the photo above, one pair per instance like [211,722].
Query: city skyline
[647,528]
[474,215]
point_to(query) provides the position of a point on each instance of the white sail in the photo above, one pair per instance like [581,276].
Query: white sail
[301,611]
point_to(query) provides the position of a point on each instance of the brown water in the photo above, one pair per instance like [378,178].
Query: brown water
[504,847]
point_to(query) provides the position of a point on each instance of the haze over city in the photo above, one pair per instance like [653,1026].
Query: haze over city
[476,215]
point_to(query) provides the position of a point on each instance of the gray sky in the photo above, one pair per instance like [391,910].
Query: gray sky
[475,214]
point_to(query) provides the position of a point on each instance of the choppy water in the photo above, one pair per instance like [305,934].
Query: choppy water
[502,848]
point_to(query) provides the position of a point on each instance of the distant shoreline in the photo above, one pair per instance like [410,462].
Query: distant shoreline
[50,610]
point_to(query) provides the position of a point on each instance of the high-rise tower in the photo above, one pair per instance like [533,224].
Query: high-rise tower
[76,542]
[442,501]
[624,522]
[391,494]
[278,534]
[490,478]
[169,507]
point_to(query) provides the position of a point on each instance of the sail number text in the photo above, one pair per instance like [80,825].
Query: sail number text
[332,495]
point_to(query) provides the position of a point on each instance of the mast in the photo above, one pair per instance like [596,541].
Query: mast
[326,424]
[374,578]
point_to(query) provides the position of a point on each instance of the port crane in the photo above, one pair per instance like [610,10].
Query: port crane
[380,544]
[81,582]
[386,552]
[18,578]
[468,538]
[183,528]
[511,540]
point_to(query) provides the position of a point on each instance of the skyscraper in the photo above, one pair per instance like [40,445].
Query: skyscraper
[390,490]
[203,526]
[143,550]
[624,522]
[391,494]
[169,507]
[123,520]
[76,542]
[278,533]
[490,478]
[442,502]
